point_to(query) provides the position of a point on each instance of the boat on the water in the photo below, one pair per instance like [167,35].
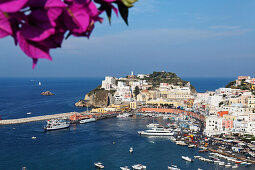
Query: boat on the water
[139,167]
[186,158]
[87,120]
[99,165]
[153,125]
[55,124]
[173,167]
[159,131]
[124,168]
[123,115]
[131,150]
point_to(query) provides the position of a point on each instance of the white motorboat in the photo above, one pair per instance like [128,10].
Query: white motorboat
[197,157]
[131,150]
[87,120]
[173,167]
[221,163]
[29,113]
[139,167]
[123,115]
[39,83]
[234,166]
[228,165]
[153,125]
[99,165]
[191,146]
[157,132]
[186,158]
[124,168]
[182,143]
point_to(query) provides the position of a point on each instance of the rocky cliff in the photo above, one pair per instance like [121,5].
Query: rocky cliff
[96,98]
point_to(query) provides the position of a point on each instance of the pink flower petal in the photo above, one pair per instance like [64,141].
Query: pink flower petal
[5,26]
[33,49]
[12,5]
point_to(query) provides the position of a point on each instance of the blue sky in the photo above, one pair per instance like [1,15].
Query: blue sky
[193,38]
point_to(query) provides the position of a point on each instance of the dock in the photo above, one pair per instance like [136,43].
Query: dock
[73,116]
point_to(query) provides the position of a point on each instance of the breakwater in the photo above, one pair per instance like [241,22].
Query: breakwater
[35,118]
[73,116]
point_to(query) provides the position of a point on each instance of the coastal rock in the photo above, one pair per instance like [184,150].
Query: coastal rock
[47,93]
[96,98]
[81,103]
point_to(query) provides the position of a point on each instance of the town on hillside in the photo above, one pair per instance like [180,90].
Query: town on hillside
[229,110]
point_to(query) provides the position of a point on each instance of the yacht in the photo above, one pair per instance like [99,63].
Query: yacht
[186,158]
[124,168]
[99,165]
[87,120]
[55,124]
[139,167]
[157,132]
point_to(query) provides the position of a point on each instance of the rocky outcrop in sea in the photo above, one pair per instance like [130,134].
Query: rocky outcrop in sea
[47,93]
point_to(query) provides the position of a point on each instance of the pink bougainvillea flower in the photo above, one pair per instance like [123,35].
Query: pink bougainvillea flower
[12,5]
[33,49]
[80,17]
[5,25]
[40,25]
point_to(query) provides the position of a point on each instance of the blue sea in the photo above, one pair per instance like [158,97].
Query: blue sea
[107,141]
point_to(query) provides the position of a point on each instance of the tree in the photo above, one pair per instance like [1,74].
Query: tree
[40,25]
[137,91]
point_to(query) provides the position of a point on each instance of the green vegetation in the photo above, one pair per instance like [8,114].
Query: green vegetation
[137,91]
[230,84]
[99,90]
[164,77]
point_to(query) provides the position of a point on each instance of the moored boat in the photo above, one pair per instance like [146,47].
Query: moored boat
[186,158]
[55,124]
[87,120]
[157,132]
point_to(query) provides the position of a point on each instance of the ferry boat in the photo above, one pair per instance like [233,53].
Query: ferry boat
[55,124]
[157,132]
[87,120]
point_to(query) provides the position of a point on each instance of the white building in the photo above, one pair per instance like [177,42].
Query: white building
[108,83]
